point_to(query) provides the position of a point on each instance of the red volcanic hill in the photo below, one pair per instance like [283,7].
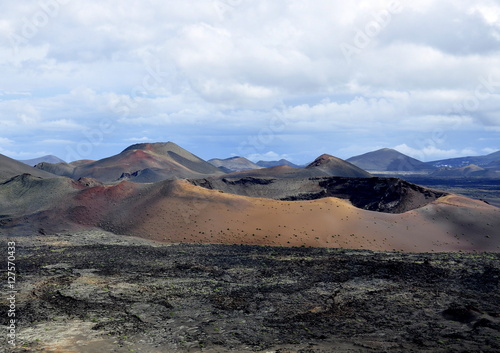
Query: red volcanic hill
[178,211]
[334,166]
[10,167]
[143,163]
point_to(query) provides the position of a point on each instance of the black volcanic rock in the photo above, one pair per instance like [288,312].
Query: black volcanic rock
[144,297]
[389,195]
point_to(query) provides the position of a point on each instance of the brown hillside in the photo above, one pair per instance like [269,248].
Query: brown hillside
[334,166]
[178,211]
[146,162]
[10,167]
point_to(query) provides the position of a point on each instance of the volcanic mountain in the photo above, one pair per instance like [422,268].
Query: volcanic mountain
[390,195]
[469,171]
[10,167]
[281,171]
[495,165]
[143,163]
[334,166]
[178,211]
[46,159]
[387,159]
[268,164]
[480,161]
[63,168]
[233,164]
[323,166]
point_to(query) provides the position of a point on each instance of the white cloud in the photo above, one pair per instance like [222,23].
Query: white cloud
[431,153]
[189,65]
[138,139]
[23,154]
[489,150]
[5,141]
[268,156]
[57,142]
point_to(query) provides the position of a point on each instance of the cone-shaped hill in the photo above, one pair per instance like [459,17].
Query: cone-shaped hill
[334,166]
[323,166]
[177,211]
[146,162]
[387,159]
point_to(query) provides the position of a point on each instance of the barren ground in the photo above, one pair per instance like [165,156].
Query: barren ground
[98,292]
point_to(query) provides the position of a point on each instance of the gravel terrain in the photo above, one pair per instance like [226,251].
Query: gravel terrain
[99,292]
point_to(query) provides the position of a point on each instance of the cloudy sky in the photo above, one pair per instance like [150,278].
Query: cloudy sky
[265,79]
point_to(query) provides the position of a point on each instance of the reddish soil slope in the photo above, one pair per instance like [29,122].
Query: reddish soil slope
[334,166]
[144,163]
[178,211]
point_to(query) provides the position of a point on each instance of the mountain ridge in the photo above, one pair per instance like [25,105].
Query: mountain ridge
[267,164]
[159,161]
[458,162]
[389,160]
[10,168]
[234,164]
[47,159]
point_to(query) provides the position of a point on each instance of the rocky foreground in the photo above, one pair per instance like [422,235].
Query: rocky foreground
[98,292]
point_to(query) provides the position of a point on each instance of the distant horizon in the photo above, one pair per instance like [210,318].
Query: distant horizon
[255,161]
[259,79]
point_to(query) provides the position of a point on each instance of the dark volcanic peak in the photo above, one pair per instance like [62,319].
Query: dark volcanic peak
[387,159]
[334,166]
[233,164]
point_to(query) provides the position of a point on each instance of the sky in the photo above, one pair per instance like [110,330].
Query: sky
[256,78]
